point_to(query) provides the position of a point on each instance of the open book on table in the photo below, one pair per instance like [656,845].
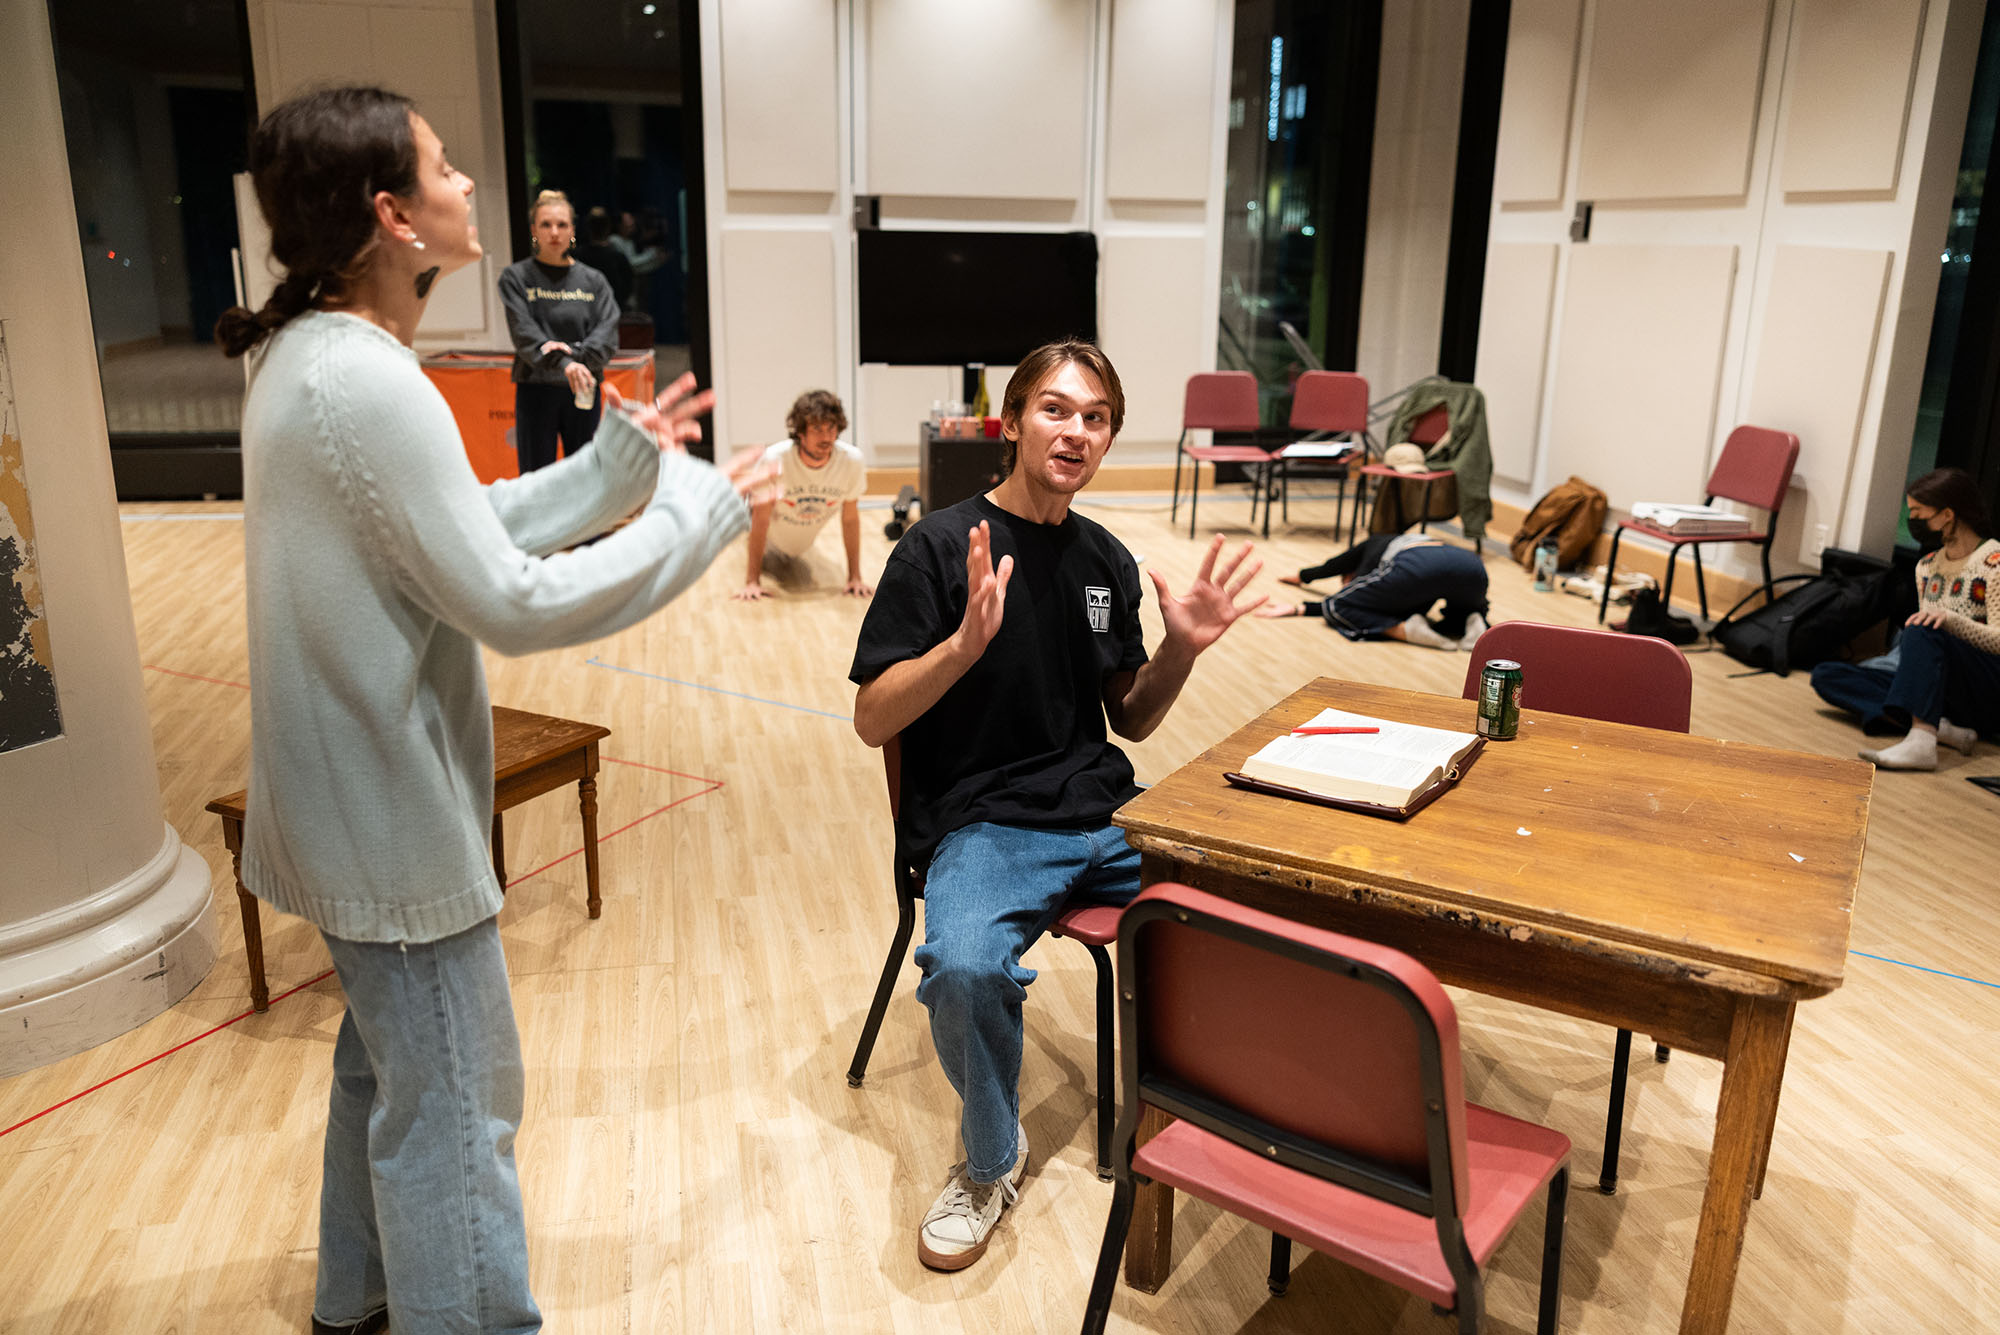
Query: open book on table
[1392,771]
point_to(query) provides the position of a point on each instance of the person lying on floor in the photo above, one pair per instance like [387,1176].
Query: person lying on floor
[1947,658]
[1390,583]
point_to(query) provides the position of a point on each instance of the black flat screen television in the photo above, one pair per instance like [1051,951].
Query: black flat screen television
[948,298]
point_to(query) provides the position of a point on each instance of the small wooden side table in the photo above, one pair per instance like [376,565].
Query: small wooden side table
[532,754]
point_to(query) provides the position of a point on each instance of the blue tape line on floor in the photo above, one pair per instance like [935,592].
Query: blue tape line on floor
[1922,968]
[635,672]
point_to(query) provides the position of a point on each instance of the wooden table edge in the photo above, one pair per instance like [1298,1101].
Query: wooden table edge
[1733,975]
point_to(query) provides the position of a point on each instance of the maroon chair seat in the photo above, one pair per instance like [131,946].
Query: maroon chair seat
[1508,1162]
[1218,401]
[1317,1085]
[1092,924]
[1600,674]
[1755,470]
[1095,926]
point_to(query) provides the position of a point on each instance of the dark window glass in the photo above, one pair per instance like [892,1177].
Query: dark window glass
[156,109]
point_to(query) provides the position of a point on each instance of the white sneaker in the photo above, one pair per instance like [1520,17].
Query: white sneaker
[1475,626]
[961,1220]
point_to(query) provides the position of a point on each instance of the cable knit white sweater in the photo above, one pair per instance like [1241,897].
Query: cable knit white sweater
[377,564]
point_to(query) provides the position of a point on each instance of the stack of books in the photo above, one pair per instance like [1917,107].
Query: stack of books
[1690,520]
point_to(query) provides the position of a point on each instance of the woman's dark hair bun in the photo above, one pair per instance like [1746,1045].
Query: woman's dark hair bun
[318,162]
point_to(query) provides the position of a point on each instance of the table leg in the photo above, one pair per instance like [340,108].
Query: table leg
[253,931]
[1751,1074]
[586,796]
[500,851]
[1149,1245]
[1771,1116]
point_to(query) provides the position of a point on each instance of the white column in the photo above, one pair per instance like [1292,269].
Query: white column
[104,913]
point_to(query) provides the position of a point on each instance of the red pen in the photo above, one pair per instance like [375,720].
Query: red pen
[1328,732]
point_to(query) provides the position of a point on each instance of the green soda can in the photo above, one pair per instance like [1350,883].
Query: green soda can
[1500,699]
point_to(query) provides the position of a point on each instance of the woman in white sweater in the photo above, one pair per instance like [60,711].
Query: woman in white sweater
[376,565]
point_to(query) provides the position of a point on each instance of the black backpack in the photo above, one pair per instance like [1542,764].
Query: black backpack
[1816,621]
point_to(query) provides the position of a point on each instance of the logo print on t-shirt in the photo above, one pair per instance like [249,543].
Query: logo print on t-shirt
[1097,602]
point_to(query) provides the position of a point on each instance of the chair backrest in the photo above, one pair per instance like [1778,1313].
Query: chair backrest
[1600,674]
[1755,468]
[1431,427]
[1330,401]
[1328,1054]
[1221,401]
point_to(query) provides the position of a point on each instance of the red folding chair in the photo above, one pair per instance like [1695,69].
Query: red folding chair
[1598,674]
[1426,431]
[1317,1086]
[1331,403]
[1218,401]
[1094,925]
[1755,469]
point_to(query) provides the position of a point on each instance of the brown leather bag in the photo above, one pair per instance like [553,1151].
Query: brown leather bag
[1573,514]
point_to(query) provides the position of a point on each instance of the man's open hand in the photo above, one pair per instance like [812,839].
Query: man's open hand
[985,590]
[1198,617]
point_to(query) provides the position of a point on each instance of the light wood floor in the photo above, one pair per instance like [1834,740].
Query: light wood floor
[693,1160]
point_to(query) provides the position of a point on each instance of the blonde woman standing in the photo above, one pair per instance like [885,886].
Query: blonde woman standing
[564,320]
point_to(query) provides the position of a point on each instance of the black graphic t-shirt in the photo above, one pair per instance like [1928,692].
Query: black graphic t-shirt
[1020,739]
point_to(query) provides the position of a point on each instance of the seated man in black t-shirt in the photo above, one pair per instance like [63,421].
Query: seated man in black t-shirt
[1003,636]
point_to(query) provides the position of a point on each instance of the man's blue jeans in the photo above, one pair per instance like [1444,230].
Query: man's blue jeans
[420,1206]
[991,892]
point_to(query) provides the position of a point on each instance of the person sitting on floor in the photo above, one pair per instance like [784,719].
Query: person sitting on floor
[1391,581]
[1947,658]
[817,473]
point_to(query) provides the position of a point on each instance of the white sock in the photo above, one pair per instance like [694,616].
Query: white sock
[1475,626]
[1917,751]
[1418,630]
[1955,737]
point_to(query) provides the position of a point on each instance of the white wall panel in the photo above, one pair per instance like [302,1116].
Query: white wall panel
[1538,89]
[981,98]
[1670,107]
[425,53]
[1814,363]
[780,119]
[1154,291]
[1514,318]
[317,44]
[1639,358]
[1161,99]
[777,325]
[1850,93]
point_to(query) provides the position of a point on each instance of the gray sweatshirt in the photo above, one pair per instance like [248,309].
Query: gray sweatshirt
[376,566]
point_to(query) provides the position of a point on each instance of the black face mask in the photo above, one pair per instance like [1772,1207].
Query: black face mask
[1928,538]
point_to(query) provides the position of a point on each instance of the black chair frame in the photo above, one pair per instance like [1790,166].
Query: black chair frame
[1436,1198]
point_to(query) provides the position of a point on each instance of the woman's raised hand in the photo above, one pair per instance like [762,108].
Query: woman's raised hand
[672,418]
[755,478]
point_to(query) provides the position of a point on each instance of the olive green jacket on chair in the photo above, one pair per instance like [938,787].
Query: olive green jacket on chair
[1466,451]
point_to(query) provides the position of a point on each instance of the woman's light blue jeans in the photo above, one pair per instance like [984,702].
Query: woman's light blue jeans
[991,892]
[420,1206]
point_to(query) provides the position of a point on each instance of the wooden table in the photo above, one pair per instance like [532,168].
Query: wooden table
[1692,889]
[532,754]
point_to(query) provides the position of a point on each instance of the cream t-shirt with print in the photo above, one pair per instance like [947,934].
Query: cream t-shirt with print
[808,497]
